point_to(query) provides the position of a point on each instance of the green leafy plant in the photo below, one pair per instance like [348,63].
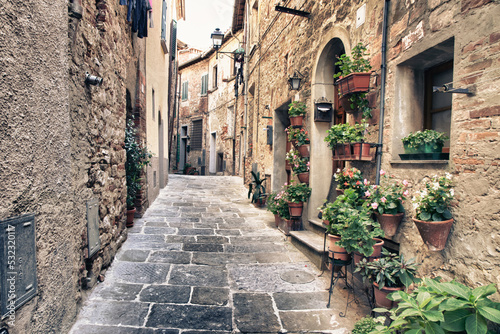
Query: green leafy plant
[354,63]
[299,135]
[296,108]
[365,325]
[359,102]
[345,133]
[186,168]
[351,178]
[391,270]
[389,196]
[277,204]
[256,189]
[418,140]
[442,307]
[138,157]
[297,192]
[434,201]
[298,163]
[337,213]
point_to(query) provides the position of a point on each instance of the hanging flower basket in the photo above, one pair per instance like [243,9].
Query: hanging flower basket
[357,82]
[303,177]
[297,121]
[389,223]
[434,234]
[304,150]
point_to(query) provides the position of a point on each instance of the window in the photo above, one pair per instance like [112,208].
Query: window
[163,39]
[197,135]
[153,102]
[204,84]
[214,74]
[184,94]
[173,39]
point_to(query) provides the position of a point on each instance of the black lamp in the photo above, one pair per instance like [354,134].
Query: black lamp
[295,80]
[217,37]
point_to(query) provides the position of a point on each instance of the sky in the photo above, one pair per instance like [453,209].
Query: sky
[202,17]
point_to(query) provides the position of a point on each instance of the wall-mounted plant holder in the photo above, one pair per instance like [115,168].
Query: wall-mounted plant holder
[323,110]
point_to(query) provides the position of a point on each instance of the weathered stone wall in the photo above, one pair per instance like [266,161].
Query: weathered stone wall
[289,43]
[62,144]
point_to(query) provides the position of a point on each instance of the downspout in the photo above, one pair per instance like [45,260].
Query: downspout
[178,98]
[383,72]
[246,61]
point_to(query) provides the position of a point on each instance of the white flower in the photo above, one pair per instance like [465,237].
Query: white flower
[435,186]
[424,192]
[415,206]
[338,170]
[452,192]
[448,176]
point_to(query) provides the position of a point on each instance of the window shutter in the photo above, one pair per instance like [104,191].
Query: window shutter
[197,135]
[173,39]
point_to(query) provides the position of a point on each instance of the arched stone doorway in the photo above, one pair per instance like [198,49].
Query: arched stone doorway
[322,87]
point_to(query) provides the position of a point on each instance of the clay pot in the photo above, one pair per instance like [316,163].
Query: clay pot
[381,296]
[297,121]
[389,223]
[295,209]
[303,177]
[434,234]
[346,104]
[356,82]
[361,151]
[304,150]
[377,251]
[337,252]
[277,220]
[130,217]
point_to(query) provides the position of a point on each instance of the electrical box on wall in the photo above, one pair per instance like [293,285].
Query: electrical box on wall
[323,110]
[360,15]
[269,135]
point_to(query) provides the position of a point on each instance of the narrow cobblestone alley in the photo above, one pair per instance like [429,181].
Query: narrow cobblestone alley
[205,260]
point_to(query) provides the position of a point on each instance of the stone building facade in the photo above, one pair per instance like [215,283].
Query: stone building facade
[63,156]
[421,37]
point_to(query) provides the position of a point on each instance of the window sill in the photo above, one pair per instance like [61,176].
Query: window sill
[231,78]
[213,89]
[415,162]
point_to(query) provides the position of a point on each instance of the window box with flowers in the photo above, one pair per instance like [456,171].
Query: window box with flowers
[300,165]
[424,145]
[386,200]
[296,113]
[347,142]
[299,137]
[432,211]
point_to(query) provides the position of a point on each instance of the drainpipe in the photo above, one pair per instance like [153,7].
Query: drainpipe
[383,71]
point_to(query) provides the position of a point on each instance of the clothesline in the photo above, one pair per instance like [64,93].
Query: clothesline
[138,12]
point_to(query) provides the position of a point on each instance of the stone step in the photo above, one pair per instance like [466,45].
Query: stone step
[311,244]
[316,226]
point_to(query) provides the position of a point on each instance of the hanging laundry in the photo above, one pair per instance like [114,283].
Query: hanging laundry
[131,9]
[142,25]
[123,2]
[151,25]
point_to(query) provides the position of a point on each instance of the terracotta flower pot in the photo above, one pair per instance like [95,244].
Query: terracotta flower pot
[130,217]
[389,223]
[297,121]
[434,234]
[295,209]
[357,82]
[303,177]
[346,104]
[377,251]
[304,150]
[337,252]
[361,151]
[381,296]
[277,220]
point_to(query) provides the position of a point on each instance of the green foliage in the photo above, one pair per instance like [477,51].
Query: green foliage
[354,63]
[345,133]
[389,196]
[277,204]
[417,140]
[297,192]
[298,163]
[391,270]
[300,135]
[256,189]
[365,325]
[186,167]
[442,307]
[138,157]
[433,202]
[350,178]
[338,212]
[296,108]
[359,102]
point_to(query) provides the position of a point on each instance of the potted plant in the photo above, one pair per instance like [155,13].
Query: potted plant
[390,273]
[296,112]
[296,194]
[187,169]
[347,141]
[427,144]
[350,178]
[138,157]
[442,307]
[300,138]
[277,204]
[387,200]
[432,211]
[366,325]
[256,190]
[300,165]
[354,80]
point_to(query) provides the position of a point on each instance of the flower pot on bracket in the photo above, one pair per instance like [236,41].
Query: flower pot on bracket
[295,209]
[297,121]
[303,177]
[377,251]
[434,234]
[389,223]
[304,150]
[357,82]
[361,151]
[337,253]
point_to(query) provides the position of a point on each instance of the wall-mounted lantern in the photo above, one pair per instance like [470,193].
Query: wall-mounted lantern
[92,80]
[323,110]
[295,80]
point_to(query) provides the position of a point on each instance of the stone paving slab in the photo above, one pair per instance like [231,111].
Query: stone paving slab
[203,260]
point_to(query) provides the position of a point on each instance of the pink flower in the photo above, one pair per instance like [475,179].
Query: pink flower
[383,199]
[382,172]
[367,194]
[405,183]
[365,182]
[374,206]
[406,193]
[286,183]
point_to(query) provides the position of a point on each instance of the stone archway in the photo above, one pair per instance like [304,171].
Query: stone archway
[322,87]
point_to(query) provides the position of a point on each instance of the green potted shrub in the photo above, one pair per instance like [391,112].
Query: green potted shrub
[387,200]
[138,157]
[347,141]
[432,211]
[365,325]
[427,144]
[296,113]
[299,137]
[354,80]
[442,307]
[390,273]
[296,194]
[257,190]
[350,178]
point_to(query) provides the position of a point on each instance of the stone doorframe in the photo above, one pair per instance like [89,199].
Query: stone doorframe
[331,44]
